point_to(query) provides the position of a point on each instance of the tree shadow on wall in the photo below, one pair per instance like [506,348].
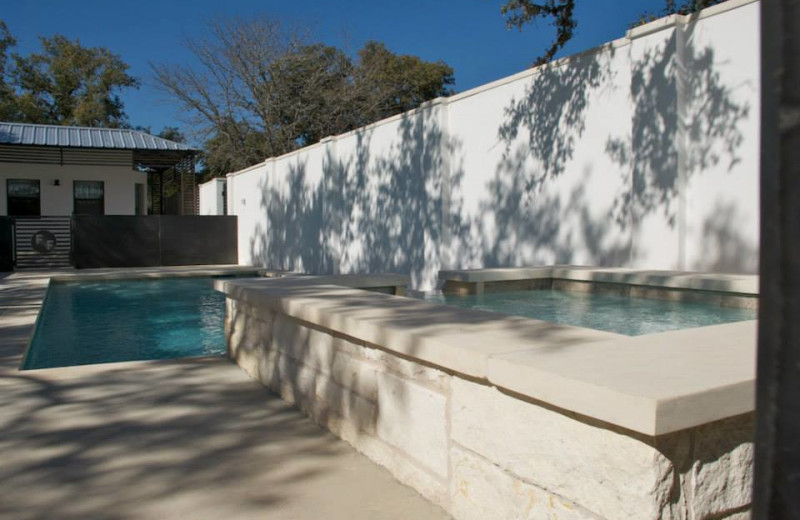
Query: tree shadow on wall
[728,251]
[649,157]
[368,212]
[522,221]
[546,228]
[288,235]
[530,217]
[551,116]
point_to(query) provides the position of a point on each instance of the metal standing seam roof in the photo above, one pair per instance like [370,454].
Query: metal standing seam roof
[84,137]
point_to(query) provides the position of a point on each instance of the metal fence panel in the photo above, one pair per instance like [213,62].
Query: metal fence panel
[198,240]
[153,240]
[114,241]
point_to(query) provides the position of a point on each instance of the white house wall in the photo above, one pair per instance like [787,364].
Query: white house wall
[641,153]
[120,185]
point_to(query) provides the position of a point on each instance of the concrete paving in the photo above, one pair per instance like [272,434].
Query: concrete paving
[168,439]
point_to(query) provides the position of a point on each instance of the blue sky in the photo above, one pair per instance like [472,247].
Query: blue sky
[470,35]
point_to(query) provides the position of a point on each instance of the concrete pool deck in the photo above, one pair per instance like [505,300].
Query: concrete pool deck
[168,439]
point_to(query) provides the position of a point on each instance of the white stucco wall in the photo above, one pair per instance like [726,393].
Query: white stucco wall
[611,158]
[722,195]
[120,185]
[211,197]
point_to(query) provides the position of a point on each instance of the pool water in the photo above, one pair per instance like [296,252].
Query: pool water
[125,320]
[620,314]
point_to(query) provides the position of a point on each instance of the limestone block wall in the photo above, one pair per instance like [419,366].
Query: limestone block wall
[481,452]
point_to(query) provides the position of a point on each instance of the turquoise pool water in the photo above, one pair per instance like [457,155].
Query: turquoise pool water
[125,320]
[620,314]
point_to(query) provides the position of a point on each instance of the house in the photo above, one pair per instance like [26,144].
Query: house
[48,170]
[51,173]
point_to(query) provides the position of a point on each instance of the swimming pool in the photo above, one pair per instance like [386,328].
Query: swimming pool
[125,320]
[620,314]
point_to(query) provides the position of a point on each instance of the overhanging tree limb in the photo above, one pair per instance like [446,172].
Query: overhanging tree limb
[561,12]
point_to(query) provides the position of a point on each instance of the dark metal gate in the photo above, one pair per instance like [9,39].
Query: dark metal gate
[6,244]
[42,242]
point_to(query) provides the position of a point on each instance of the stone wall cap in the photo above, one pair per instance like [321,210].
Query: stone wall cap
[653,384]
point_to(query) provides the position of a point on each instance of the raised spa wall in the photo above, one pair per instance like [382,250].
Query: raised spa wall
[496,417]
[737,291]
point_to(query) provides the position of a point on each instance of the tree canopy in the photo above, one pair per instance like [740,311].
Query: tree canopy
[64,84]
[7,108]
[561,15]
[262,90]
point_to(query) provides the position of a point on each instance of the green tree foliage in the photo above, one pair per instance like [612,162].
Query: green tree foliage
[172,133]
[310,87]
[673,7]
[64,84]
[518,13]
[262,90]
[8,109]
[561,15]
[391,83]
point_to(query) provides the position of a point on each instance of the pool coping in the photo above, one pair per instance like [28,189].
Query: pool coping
[744,284]
[669,381]
[144,273]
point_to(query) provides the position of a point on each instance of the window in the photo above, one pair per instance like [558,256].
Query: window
[23,197]
[89,198]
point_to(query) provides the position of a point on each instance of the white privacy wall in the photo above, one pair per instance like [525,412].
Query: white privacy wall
[211,195]
[641,153]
